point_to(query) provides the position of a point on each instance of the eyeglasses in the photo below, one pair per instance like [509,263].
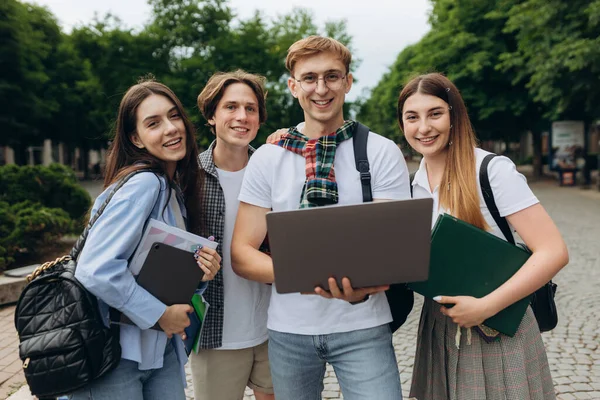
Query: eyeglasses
[332,80]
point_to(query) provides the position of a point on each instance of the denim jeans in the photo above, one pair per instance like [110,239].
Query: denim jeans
[363,360]
[127,382]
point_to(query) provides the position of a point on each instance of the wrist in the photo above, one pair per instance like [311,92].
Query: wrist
[490,307]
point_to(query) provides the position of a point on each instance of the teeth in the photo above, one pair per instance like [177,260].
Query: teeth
[322,102]
[240,129]
[172,142]
[427,140]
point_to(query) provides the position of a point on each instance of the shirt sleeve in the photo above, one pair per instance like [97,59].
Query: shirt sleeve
[256,187]
[390,173]
[510,188]
[102,266]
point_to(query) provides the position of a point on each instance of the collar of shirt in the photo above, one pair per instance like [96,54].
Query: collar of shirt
[421,178]
[207,162]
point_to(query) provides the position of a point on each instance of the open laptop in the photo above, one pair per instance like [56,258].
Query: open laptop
[373,244]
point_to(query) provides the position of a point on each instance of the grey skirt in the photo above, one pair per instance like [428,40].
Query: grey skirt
[507,369]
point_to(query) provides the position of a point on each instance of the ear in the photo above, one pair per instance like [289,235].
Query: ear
[350,80]
[135,139]
[293,86]
[211,121]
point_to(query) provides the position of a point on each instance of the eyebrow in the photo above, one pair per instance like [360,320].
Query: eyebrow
[324,73]
[156,116]
[250,103]
[430,110]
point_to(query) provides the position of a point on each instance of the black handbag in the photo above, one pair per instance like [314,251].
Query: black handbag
[64,344]
[542,300]
[399,297]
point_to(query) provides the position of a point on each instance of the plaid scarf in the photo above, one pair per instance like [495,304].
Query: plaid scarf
[320,187]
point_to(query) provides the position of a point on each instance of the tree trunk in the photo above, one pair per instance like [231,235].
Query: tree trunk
[538,166]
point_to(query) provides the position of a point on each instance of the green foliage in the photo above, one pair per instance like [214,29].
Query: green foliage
[53,187]
[557,55]
[37,206]
[465,43]
[27,226]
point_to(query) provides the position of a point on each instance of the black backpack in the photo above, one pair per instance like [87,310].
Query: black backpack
[64,343]
[399,296]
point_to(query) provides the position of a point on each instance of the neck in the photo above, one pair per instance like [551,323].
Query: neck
[435,168]
[230,158]
[171,168]
[315,129]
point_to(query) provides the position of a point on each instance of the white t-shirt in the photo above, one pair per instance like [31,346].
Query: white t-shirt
[511,192]
[246,302]
[274,179]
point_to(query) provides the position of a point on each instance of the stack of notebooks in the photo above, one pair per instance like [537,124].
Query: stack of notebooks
[467,261]
[165,266]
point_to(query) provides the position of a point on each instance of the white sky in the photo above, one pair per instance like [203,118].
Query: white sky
[380,28]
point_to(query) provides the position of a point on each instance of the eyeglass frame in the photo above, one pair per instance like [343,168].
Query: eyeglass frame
[342,79]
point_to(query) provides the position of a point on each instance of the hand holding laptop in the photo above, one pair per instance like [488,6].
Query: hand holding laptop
[347,292]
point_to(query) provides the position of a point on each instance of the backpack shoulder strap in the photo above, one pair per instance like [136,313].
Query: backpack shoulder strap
[488,196]
[359,139]
[83,237]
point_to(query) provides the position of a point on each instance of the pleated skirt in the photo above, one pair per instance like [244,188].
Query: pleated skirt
[511,368]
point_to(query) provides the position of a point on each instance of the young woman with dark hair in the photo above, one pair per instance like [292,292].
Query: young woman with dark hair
[152,132]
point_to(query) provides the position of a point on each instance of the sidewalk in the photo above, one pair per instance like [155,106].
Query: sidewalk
[11,373]
[573,348]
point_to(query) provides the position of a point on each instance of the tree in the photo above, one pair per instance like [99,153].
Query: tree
[29,33]
[465,43]
[557,56]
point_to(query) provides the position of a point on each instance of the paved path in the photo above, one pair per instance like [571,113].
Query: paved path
[573,347]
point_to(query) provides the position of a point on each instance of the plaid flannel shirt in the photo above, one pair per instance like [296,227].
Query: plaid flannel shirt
[213,223]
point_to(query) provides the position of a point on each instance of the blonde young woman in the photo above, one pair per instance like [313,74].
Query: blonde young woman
[433,117]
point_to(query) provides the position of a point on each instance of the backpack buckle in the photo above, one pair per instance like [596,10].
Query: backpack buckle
[365,177]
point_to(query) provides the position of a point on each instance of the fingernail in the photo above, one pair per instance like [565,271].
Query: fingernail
[211,238]
[437,298]
[196,256]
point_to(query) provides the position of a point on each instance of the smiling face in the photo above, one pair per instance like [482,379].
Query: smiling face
[236,119]
[426,122]
[322,105]
[160,130]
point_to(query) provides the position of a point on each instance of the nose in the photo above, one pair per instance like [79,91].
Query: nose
[321,86]
[424,126]
[170,127]
[241,114]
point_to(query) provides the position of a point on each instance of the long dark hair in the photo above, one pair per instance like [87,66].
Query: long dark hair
[124,157]
[462,197]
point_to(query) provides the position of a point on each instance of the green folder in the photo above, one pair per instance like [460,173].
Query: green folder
[200,307]
[468,261]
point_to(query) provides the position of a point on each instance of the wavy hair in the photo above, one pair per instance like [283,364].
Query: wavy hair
[124,157]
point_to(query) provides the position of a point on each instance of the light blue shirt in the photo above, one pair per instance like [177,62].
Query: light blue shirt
[102,266]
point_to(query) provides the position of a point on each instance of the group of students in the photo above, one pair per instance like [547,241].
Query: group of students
[279,344]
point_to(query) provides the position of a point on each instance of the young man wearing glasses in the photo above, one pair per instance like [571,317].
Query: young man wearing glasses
[313,165]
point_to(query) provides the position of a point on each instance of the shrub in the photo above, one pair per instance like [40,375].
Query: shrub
[37,206]
[55,186]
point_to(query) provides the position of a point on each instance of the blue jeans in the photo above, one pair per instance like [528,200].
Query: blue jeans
[363,360]
[129,383]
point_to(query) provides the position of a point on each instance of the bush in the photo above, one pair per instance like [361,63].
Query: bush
[37,206]
[55,186]
[28,226]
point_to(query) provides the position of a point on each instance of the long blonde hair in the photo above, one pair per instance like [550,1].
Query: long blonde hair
[458,188]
